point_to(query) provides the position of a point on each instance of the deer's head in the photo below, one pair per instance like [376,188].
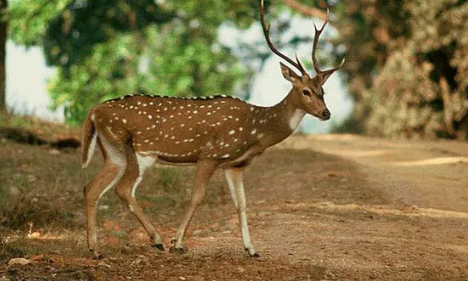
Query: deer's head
[307,93]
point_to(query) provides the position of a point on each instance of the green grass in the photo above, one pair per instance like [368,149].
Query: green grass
[169,177]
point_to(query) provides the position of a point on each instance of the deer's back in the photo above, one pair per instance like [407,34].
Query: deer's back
[179,130]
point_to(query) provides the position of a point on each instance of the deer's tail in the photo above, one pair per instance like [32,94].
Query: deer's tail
[89,139]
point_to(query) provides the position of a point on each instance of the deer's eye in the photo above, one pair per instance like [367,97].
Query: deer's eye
[306,92]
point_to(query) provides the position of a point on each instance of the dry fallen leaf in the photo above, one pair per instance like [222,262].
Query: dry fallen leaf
[39,257]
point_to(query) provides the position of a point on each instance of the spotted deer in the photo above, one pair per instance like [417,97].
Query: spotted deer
[213,132]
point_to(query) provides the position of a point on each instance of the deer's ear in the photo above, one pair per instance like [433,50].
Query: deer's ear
[288,74]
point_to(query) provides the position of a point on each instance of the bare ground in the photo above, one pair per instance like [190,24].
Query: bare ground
[320,208]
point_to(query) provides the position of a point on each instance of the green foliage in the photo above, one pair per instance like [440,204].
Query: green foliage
[407,66]
[347,126]
[29,19]
[107,48]
[111,70]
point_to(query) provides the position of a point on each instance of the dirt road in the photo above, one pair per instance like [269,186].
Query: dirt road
[418,231]
[425,174]
[320,208]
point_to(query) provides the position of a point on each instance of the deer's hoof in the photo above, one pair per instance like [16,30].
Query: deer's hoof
[179,251]
[256,255]
[158,246]
[97,255]
[252,253]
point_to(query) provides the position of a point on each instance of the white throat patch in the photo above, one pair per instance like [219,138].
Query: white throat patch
[296,119]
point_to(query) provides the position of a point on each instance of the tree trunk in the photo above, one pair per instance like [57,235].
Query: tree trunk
[3,41]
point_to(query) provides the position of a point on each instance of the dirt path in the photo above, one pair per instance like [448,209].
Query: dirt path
[424,174]
[420,232]
[320,208]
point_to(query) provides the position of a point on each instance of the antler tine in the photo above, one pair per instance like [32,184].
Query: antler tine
[336,68]
[301,68]
[266,32]
[314,49]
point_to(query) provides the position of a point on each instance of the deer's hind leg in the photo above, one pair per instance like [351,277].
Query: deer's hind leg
[205,170]
[125,189]
[111,173]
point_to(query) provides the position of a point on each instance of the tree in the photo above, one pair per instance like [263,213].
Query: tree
[407,65]
[109,48]
[3,41]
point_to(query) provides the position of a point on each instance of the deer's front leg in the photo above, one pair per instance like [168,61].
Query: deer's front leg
[205,170]
[236,187]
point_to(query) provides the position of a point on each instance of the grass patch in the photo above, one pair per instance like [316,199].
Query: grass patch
[11,250]
[165,189]
[45,130]
[42,191]
[169,178]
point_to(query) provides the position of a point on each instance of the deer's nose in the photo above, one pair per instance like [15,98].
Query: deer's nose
[326,114]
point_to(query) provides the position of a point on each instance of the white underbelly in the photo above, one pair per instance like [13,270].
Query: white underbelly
[158,160]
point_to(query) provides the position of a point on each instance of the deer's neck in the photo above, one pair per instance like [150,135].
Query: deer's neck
[289,115]
[285,118]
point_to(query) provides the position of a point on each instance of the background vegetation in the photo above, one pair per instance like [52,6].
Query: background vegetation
[406,66]
[406,60]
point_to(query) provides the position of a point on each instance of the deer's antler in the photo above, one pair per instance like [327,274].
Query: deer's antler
[314,51]
[266,32]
